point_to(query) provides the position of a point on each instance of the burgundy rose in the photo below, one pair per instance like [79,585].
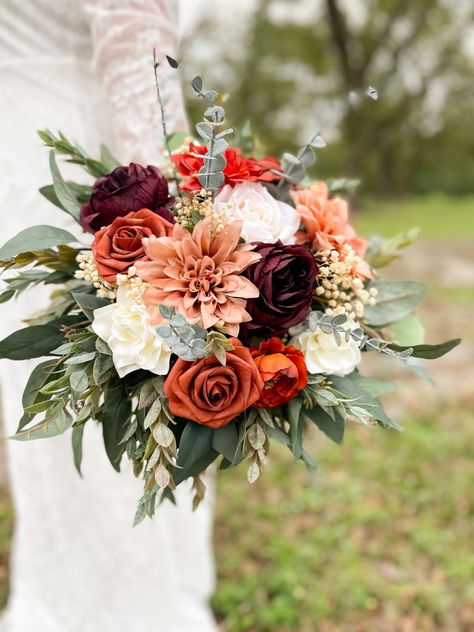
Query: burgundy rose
[286,278]
[125,190]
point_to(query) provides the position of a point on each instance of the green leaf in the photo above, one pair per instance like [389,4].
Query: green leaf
[296,420]
[77,437]
[115,416]
[32,342]
[176,140]
[364,399]
[333,428]
[195,451]
[40,375]
[102,364]
[79,381]
[408,331]
[57,421]
[278,435]
[35,238]
[374,385]
[429,352]
[226,441]
[395,300]
[63,192]
[49,193]
[108,159]
[89,302]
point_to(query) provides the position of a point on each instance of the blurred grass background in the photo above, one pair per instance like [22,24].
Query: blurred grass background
[381,539]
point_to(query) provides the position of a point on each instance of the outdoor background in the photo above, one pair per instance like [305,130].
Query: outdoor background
[381,539]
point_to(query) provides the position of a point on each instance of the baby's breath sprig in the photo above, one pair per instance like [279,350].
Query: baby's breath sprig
[197,206]
[337,285]
[88,272]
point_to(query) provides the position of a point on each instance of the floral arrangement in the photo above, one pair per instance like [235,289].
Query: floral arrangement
[221,302]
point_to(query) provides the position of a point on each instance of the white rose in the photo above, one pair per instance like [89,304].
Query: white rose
[264,218]
[125,327]
[322,354]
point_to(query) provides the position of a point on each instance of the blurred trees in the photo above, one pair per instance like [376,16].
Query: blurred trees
[297,62]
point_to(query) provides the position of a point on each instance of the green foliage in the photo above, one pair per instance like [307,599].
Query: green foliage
[196,451]
[430,352]
[114,415]
[210,175]
[185,340]
[35,238]
[394,301]
[35,341]
[76,155]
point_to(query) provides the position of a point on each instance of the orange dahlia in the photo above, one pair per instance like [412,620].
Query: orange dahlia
[325,219]
[199,274]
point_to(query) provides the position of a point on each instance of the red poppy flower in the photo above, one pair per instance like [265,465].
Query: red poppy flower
[238,167]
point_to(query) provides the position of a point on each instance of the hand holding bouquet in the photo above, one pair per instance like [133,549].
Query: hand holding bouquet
[224,303]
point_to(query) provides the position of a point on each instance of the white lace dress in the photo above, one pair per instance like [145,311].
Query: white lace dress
[77,564]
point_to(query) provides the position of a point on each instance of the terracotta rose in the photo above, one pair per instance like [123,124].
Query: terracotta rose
[119,246]
[211,394]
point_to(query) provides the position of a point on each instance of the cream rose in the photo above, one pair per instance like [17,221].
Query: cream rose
[264,218]
[125,327]
[323,355]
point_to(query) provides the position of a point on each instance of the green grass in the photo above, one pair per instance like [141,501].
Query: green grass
[437,215]
[382,535]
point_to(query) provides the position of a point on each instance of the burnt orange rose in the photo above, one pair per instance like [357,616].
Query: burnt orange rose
[211,394]
[119,246]
[283,371]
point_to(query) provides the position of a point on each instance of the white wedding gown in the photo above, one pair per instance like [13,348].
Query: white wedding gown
[77,564]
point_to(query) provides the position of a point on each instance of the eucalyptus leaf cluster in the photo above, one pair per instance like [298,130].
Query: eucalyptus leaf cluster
[294,167]
[186,341]
[340,327]
[210,175]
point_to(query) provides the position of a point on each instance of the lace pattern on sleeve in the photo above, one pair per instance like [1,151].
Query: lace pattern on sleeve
[124,33]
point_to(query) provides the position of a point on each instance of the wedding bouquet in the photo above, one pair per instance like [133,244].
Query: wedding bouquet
[220,303]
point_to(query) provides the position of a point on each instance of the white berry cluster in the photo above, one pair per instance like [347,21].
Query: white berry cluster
[338,286]
[199,202]
[135,286]
[88,272]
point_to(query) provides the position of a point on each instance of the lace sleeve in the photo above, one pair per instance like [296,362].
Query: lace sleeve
[124,33]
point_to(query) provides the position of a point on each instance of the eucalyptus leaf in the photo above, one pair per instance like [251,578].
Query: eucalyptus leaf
[296,421]
[35,238]
[114,415]
[226,442]
[394,301]
[63,192]
[77,440]
[196,84]
[195,452]
[429,352]
[408,331]
[40,375]
[56,422]
[32,342]
[333,428]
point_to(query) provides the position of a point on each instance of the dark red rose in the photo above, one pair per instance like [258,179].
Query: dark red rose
[238,168]
[283,371]
[124,190]
[286,278]
[119,246]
